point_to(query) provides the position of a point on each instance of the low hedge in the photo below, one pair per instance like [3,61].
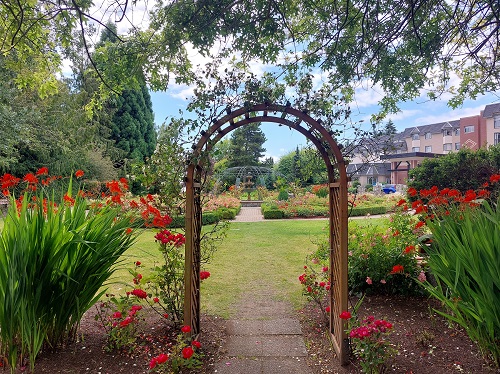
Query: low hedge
[271,211]
[208,218]
[363,211]
[272,214]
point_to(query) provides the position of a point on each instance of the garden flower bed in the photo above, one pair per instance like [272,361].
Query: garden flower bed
[308,205]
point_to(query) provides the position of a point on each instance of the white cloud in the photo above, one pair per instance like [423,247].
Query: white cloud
[448,115]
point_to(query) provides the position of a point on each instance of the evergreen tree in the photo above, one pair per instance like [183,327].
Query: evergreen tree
[132,125]
[390,128]
[246,146]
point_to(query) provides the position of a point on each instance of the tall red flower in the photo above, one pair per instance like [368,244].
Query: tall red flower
[79,173]
[43,171]
[397,269]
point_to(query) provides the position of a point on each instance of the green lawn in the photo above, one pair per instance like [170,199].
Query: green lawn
[271,250]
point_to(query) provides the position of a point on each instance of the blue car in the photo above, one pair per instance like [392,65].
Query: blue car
[389,188]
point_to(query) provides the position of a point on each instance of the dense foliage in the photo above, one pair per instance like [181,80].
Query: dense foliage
[449,171]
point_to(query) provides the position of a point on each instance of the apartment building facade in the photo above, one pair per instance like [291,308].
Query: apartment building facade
[415,144]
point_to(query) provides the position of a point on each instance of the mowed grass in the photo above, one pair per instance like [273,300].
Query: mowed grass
[269,255]
[272,252]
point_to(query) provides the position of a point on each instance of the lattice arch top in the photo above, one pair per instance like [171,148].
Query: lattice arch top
[337,181]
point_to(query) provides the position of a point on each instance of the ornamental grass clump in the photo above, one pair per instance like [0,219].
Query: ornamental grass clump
[464,255]
[55,255]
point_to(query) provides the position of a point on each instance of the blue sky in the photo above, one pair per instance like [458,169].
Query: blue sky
[282,140]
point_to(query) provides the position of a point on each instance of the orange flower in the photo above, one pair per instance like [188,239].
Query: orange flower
[419,224]
[409,248]
[397,269]
[43,171]
[79,173]
[69,199]
[30,178]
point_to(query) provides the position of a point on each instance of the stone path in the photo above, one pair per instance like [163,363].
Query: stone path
[249,214]
[263,338]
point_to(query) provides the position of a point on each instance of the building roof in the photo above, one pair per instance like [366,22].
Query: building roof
[374,169]
[434,128]
[491,110]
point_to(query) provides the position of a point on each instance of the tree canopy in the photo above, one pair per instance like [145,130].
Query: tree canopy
[400,46]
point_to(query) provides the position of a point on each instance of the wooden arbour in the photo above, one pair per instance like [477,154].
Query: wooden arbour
[337,183]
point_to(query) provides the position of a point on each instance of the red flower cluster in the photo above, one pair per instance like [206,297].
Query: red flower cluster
[137,278]
[186,329]
[168,238]
[141,294]
[345,315]
[397,269]
[370,327]
[127,320]
[158,360]
[204,275]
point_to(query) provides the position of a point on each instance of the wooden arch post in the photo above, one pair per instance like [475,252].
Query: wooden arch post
[337,182]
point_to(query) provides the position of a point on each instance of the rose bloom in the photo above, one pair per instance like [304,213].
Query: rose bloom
[186,329]
[187,353]
[139,293]
[383,281]
[156,300]
[345,315]
[369,280]
[196,343]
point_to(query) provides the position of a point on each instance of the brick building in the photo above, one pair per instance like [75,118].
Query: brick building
[409,147]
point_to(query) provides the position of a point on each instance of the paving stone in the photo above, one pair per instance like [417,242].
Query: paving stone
[294,365]
[245,327]
[282,326]
[284,345]
[245,346]
[238,366]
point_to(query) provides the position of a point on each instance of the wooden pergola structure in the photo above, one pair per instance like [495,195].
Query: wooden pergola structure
[337,182]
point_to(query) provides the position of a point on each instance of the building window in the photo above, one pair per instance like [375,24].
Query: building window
[496,123]
[428,135]
[446,132]
[415,137]
[415,149]
[468,129]
[447,147]
[496,138]
[428,149]
[372,181]
[457,132]
[457,146]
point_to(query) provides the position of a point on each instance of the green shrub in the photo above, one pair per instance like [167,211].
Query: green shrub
[283,195]
[227,213]
[463,170]
[381,260]
[380,264]
[178,221]
[464,259]
[210,218]
[363,211]
[272,214]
